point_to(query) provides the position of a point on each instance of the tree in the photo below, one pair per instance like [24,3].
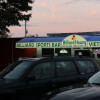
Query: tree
[12,12]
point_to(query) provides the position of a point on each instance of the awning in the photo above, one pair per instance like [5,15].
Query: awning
[55,39]
[41,39]
[92,38]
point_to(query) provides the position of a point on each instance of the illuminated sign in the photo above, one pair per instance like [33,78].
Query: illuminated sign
[63,51]
[74,41]
[98,51]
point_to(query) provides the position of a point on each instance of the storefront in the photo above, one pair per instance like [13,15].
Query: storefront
[71,45]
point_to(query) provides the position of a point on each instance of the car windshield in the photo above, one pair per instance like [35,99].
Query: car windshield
[16,70]
[95,79]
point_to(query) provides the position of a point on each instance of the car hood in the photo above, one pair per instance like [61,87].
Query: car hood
[88,93]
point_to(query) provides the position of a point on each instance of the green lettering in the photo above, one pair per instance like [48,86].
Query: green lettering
[91,44]
[45,44]
[52,44]
[48,44]
[38,44]
[32,44]
[18,45]
[59,44]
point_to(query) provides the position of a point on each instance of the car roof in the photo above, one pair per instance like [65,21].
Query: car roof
[53,58]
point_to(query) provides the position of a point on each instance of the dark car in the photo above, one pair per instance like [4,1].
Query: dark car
[37,76]
[88,93]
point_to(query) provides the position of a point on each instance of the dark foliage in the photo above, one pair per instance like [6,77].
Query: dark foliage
[12,12]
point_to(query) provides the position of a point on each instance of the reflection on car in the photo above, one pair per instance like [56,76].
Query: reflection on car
[38,76]
[88,93]
[94,80]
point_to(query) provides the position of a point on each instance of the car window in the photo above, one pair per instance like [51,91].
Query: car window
[87,66]
[65,68]
[16,71]
[43,71]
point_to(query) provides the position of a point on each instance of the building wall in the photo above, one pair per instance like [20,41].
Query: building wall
[9,53]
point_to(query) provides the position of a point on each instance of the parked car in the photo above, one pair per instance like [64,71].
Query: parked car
[36,76]
[88,93]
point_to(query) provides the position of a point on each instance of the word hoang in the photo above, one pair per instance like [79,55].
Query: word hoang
[74,42]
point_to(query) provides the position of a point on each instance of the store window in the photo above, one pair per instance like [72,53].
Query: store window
[47,51]
[83,52]
[98,55]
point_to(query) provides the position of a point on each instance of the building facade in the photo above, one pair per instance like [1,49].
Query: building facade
[71,45]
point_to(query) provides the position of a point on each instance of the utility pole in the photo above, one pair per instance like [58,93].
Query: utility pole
[25,28]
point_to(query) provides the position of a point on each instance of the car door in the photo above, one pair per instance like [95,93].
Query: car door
[67,74]
[41,78]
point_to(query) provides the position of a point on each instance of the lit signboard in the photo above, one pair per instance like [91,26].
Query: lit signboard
[74,41]
[98,51]
[63,51]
